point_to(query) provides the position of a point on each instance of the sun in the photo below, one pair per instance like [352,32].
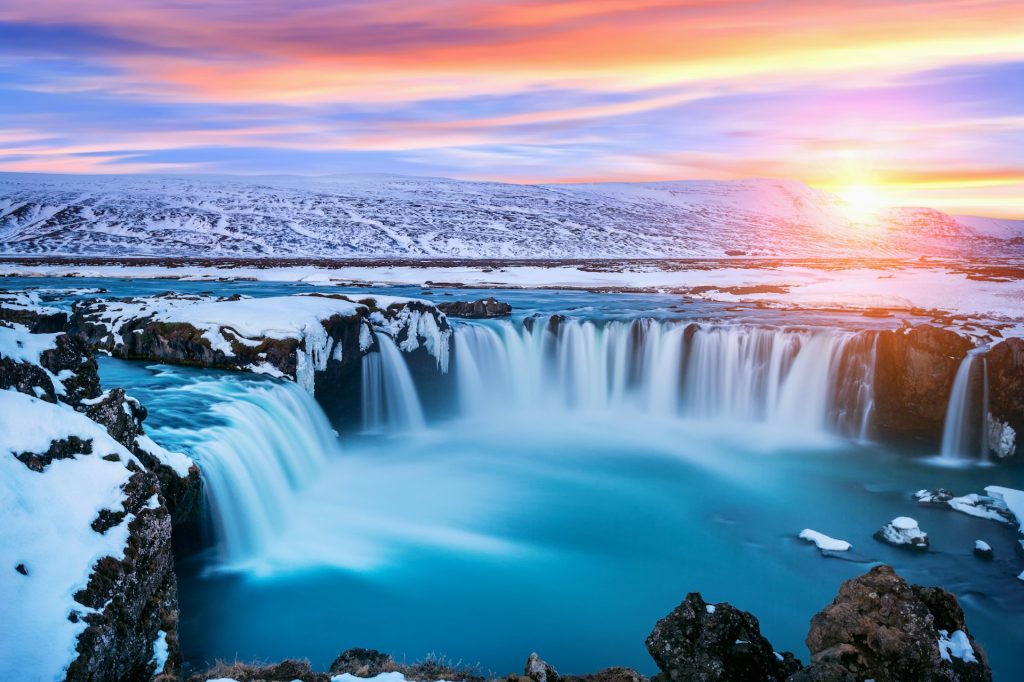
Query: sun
[863,202]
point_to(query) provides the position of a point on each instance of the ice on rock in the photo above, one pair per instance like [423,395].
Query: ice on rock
[956,645]
[824,542]
[903,531]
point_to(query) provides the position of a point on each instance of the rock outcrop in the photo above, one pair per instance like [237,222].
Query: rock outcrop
[914,374]
[485,307]
[881,628]
[1005,362]
[703,642]
[313,339]
[66,439]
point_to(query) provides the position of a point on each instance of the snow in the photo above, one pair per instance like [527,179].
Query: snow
[54,541]
[902,285]
[823,541]
[382,677]
[178,462]
[982,546]
[19,345]
[249,321]
[388,216]
[1014,500]
[904,530]
[160,652]
[956,645]
[979,506]
[276,317]
[710,608]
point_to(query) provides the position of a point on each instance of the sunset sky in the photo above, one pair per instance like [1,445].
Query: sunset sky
[923,101]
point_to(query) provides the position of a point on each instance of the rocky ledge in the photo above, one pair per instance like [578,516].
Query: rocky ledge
[914,374]
[485,307]
[879,627]
[88,500]
[312,339]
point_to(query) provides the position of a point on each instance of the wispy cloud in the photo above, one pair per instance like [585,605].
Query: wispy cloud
[923,96]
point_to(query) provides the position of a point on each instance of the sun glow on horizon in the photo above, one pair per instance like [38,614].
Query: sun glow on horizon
[864,202]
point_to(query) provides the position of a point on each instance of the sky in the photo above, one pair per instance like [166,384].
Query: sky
[917,103]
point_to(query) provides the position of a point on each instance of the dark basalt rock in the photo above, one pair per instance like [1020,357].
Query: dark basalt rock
[136,596]
[44,321]
[985,553]
[722,644]
[64,448]
[1006,385]
[881,628]
[485,307]
[539,670]
[913,380]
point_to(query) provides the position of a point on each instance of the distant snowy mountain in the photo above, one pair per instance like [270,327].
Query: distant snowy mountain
[394,216]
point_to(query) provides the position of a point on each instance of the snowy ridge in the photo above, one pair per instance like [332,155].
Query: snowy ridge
[394,216]
[52,542]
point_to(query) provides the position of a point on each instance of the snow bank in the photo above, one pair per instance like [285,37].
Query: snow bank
[46,530]
[1012,498]
[823,541]
[19,345]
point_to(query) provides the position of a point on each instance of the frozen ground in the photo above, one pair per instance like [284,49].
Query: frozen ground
[394,216]
[976,298]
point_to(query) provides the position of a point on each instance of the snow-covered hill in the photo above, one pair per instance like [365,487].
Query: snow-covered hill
[394,216]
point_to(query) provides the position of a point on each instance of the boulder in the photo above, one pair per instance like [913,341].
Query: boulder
[485,307]
[881,628]
[703,642]
[538,670]
[983,550]
[903,531]
[362,663]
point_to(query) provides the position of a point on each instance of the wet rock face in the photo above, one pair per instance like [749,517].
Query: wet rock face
[881,628]
[485,307]
[913,380]
[1006,392]
[715,642]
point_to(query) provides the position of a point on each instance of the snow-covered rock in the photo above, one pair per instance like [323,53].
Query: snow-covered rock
[86,499]
[903,531]
[300,336]
[88,578]
[983,550]
[981,506]
[824,542]
[387,216]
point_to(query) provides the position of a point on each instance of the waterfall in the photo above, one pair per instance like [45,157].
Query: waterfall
[389,399]
[269,441]
[812,380]
[965,433]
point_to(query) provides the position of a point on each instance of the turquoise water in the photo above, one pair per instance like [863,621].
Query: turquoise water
[567,532]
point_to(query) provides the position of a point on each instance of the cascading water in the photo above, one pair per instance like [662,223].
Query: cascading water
[269,440]
[808,380]
[389,399]
[965,433]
